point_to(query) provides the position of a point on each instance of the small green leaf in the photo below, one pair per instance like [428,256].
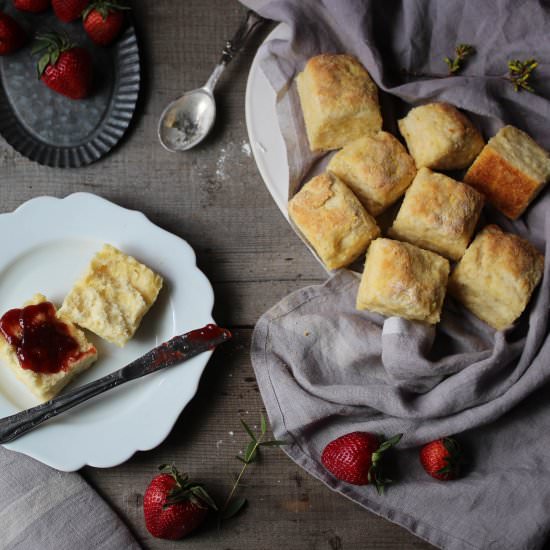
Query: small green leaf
[263,424]
[234,507]
[250,452]
[248,430]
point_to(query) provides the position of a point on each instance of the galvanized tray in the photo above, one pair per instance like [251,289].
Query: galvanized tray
[57,131]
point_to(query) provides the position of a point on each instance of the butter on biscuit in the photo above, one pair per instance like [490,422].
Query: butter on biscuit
[113,295]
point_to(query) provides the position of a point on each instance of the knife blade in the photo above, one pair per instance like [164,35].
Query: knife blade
[176,350]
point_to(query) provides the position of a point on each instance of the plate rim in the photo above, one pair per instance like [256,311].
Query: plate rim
[146,439]
[282,30]
[115,123]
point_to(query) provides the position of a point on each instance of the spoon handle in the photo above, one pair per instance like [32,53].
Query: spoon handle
[248,26]
[250,23]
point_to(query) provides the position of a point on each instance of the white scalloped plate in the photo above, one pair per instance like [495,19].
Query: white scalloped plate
[46,245]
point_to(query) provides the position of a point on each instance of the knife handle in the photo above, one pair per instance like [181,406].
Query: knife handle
[11,427]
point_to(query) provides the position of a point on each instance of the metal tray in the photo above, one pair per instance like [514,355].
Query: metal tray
[57,131]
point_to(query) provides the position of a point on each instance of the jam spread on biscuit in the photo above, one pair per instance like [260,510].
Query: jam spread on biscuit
[42,342]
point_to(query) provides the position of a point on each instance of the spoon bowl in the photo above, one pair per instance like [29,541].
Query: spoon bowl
[187,120]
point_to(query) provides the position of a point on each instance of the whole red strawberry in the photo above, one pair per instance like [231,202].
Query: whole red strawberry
[69,10]
[34,6]
[441,458]
[63,67]
[355,458]
[103,21]
[12,36]
[173,506]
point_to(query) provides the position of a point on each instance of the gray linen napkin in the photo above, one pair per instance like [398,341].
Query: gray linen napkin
[325,369]
[41,508]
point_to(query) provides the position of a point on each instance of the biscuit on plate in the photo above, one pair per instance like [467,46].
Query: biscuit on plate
[438,213]
[44,352]
[377,168]
[339,101]
[403,280]
[440,137]
[332,220]
[496,276]
[112,296]
[510,171]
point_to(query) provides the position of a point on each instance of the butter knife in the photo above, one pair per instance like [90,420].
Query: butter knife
[176,350]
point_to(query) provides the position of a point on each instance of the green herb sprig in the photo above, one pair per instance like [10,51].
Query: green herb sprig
[233,505]
[519,73]
[462,52]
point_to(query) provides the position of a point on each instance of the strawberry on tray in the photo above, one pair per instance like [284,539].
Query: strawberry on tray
[64,67]
[80,103]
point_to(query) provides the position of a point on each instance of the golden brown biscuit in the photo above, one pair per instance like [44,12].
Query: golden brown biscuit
[404,280]
[339,101]
[112,296]
[510,171]
[496,276]
[438,213]
[332,220]
[377,168]
[440,137]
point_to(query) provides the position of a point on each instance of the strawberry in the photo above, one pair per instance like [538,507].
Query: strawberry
[34,6]
[441,458]
[12,36]
[64,68]
[355,458]
[173,506]
[103,20]
[69,10]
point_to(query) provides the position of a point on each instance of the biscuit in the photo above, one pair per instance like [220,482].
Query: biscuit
[332,220]
[403,280]
[440,137]
[43,383]
[113,295]
[510,171]
[438,213]
[377,168]
[496,276]
[339,101]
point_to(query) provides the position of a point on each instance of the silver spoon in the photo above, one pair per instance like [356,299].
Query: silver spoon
[187,120]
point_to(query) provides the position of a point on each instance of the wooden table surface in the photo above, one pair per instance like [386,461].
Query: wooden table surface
[214,198]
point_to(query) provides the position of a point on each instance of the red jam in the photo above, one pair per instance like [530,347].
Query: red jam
[207,333]
[42,342]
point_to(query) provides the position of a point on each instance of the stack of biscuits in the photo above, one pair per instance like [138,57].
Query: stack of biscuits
[407,272]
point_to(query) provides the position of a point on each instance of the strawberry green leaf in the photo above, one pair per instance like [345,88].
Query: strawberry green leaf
[273,443]
[263,424]
[200,492]
[54,57]
[43,62]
